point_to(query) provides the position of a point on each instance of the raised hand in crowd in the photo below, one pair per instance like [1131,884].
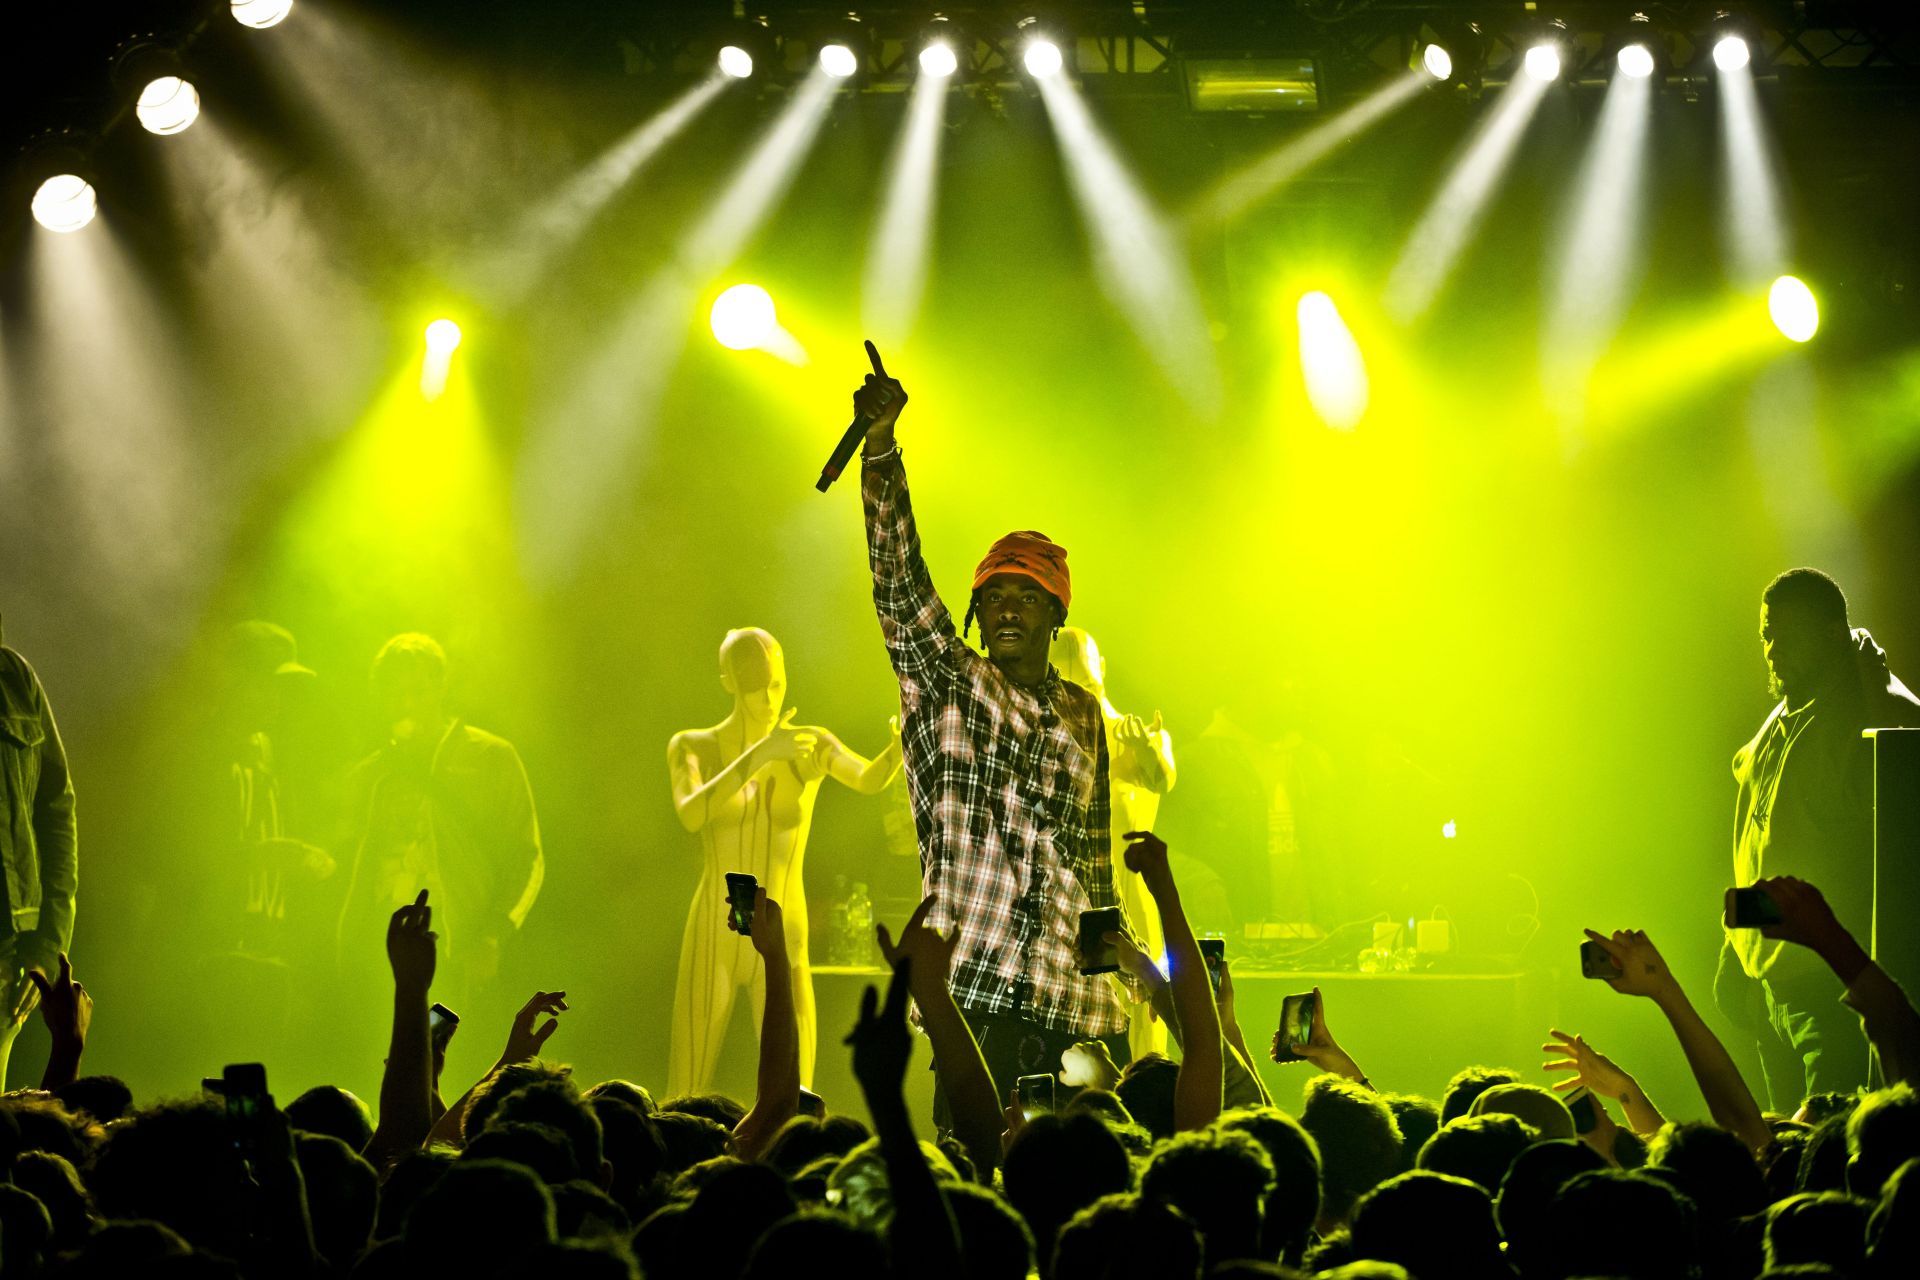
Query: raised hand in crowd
[67,1010]
[526,1037]
[1643,971]
[1242,1086]
[1321,1049]
[1197,1088]
[776,1097]
[971,1094]
[1596,1073]
[406,1084]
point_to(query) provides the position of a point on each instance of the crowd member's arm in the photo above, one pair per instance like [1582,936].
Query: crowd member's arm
[1239,1057]
[1240,1083]
[1644,972]
[695,796]
[284,1242]
[776,1097]
[1892,1023]
[406,1086]
[926,956]
[1146,977]
[1322,1050]
[68,1011]
[525,1038]
[921,1237]
[1597,1074]
[1197,1088]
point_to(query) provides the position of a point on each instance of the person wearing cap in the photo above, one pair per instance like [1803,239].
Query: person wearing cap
[1007,768]
[263,664]
[39,845]
[748,786]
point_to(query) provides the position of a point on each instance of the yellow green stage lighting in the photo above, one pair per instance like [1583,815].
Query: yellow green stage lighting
[938,60]
[1731,53]
[1635,60]
[1437,61]
[1795,311]
[168,105]
[743,318]
[261,14]
[736,62]
[838,61]
[1043,58]
[1330,362]
[1543,62]
[443,337]
[65,202]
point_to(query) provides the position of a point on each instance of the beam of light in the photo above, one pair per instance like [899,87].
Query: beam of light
[1751,216]
[66,202]
[1794,310]
[1141,264]
[1601,257]
[1796,474]
[442,340]
[743,318]
[896,274]
[1433,250]
[581,453]
[557,223]
[168,105]
[1680,359]
[261,14]
[735,62]
[1043,59]
[1330,362]
[1239,192]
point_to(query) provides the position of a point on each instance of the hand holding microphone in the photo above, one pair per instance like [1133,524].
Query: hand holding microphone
[876,407]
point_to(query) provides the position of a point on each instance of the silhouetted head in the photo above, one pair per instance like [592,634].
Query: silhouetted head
[1418,1119]
[480,1217]
[1827,1226]
[1478,1148]
[995,1243]
[1146,1087]
[1893,1232]
[334,1112]
[1710,1167]
[1358,1139]
[1293,1205]
[1469,1083]
[1436,1226]
[1803,632]
[1059,1164]
[1627,1225]
[1882,1134]
[1538,1107]
[343,1195]
[410,685]
[1533,1180]
[1127,1237]
[797,1245]
[1220,1179]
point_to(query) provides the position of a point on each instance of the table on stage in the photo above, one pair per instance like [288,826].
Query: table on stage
[1410,1031]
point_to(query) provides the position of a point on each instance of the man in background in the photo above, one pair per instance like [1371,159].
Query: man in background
[39,844]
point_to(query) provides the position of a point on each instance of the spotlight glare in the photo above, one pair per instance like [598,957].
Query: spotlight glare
[1543,62]
[1437,61]
[65,202]
[1731,53]
[1636,60]
[743,317]
[261,14]
[1795,311]
[443,336]
[938,60]
[168,105]
[736,62]
[1043,59]
[838,61]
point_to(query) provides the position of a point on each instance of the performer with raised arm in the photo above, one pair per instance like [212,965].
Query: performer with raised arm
[1006,766]
[747,786]
[1140,760]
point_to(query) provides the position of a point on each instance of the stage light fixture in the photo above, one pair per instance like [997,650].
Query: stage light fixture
[838,61]
[261,14]
[938,60]
[66,202]
[1543,62]
[1730,53]
[168,105]
[1437,62]
[743,317]
[443,337]
[1635,61]
[736,62]
[1795,311]
[1043,58]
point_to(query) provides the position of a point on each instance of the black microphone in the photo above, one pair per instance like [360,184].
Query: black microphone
[837,461]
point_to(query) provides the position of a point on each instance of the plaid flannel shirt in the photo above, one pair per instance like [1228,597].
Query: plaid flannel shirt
[1009,794]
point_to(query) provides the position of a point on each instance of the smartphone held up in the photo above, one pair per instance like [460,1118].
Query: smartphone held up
[1296,1026]
[741,888]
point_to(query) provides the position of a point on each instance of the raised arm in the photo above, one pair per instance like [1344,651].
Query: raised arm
[927,956]
[1197,1088]
[1892,1023]
[776,1097]
[1597,1074]
[1322,1050]
[920,635]
[1644,972]
[68,1011]
[406,1086]
[696,796]
[525,1038]
[852,770]
[1241,1080]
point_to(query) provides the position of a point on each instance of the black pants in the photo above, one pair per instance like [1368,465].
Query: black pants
[1014,1047]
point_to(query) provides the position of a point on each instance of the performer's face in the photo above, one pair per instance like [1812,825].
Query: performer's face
[1799,646]
[1017,617]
